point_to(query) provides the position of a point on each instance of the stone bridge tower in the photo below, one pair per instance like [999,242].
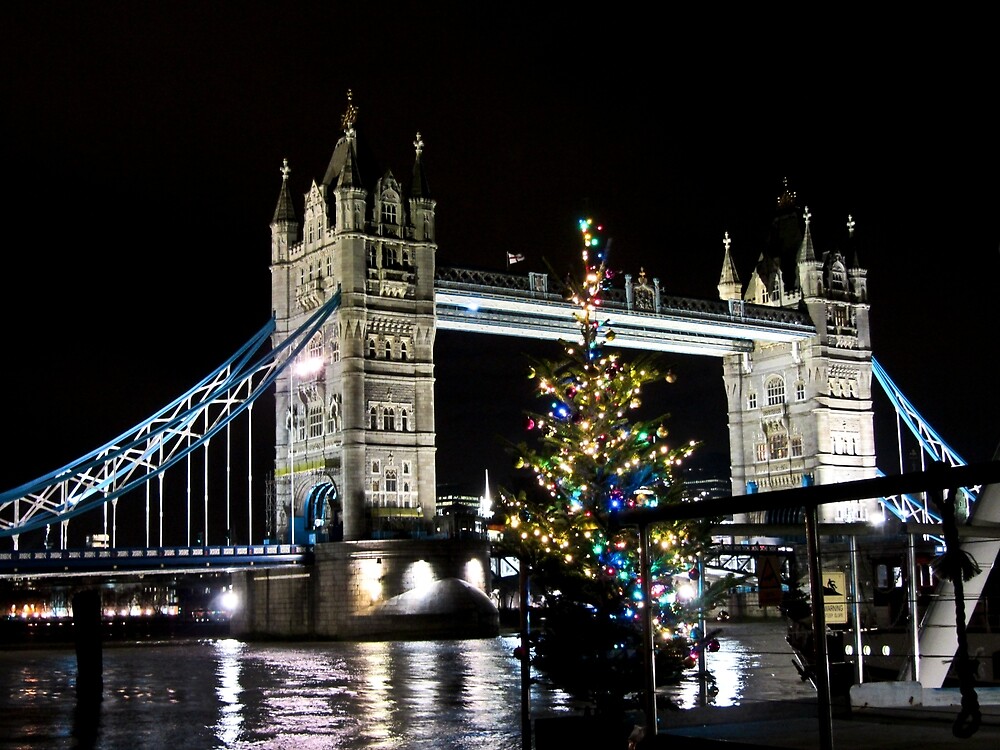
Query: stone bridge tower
[355,429]
[802,414]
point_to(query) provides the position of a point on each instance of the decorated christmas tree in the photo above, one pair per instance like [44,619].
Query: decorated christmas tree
[592,457]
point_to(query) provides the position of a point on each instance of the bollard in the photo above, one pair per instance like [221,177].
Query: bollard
[88,640]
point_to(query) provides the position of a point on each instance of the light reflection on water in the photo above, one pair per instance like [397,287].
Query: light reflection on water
[420,695]
[753,663]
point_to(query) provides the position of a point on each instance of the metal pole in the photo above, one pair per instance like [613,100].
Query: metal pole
[291,454]
[647,632]
[821,665]
[911,595]
[859,667]
[522,580]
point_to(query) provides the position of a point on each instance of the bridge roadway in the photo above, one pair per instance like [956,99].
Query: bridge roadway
[533,307]
[67,563]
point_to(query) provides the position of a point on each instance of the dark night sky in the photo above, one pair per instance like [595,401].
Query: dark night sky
[143,141]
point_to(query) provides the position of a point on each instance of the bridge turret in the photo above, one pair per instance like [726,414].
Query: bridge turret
[421,204]
[284,225]
[729,281]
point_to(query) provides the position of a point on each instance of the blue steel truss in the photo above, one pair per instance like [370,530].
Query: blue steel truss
[908,507]
[160,441]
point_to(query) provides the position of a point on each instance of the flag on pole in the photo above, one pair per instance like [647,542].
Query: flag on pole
[513,258]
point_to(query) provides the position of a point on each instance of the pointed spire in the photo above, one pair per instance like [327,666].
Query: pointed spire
[284,211]
[350,116]
[787,197]
[855,262]
[807,253]
[419,188]
[729,281]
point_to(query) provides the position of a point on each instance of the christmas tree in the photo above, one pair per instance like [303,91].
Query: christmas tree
[592,457]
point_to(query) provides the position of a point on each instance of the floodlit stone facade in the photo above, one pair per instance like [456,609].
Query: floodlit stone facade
[801,413]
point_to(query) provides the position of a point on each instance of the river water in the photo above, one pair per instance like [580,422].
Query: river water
[416,695]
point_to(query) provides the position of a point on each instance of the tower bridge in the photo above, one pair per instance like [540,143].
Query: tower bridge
[347,364]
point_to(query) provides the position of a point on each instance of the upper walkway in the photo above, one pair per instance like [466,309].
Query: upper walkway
[534,306]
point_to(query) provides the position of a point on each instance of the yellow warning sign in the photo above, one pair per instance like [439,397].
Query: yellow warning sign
[834,597]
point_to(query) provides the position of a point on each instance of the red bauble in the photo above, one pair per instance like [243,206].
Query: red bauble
[714,645]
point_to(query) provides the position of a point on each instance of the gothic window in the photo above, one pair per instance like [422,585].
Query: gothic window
[376,467]
[404,420]
[407,258]
[372,257]
[775,388]
[376,485]
[371,347]
[391,257]
[329,266]
[373,418]
[389,419]
[751,400]
[800,391]
[778,444]
[315,348]
[310,272]
[302,276]
[315,420]
[403,354]
[390,481]
[335,350]
[388,213]
[761,449]
[406,468]
[796,446]
[388,349]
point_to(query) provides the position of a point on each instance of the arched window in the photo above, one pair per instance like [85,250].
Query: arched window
[389,419]
[404,420]
[372,257]
[778,445]
[371,348]
[800,391]
[775,388]
[390,481]
[403,353]
[373,418]
[388,349]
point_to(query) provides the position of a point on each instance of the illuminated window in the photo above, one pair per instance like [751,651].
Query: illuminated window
[315,347]
[778,444]
[761,449]
[797,446]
